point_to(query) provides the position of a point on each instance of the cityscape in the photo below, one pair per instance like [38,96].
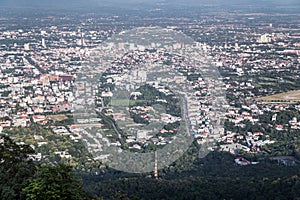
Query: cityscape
[75,86]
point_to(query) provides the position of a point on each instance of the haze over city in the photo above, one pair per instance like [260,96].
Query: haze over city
[162,99]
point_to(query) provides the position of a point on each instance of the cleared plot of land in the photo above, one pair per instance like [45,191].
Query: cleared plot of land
[126,102]
[292,96]
[58,118]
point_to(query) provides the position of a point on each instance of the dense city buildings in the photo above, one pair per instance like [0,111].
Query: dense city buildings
[78,84]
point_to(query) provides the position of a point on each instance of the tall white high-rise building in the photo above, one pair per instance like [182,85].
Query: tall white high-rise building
[43,32]
[26,47]
[43,43]
[265,38]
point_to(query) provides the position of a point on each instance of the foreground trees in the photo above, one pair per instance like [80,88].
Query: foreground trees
[20,178]
[58,182]
[15,168]
[212,177]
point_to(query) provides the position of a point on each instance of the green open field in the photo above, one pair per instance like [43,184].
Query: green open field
[291,96]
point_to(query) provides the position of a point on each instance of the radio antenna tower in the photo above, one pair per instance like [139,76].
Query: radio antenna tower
[155,165]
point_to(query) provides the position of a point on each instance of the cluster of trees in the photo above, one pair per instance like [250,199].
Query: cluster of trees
[21,178]
[213,177]
[204,188]
[57,182]
[15,169]
[150,95]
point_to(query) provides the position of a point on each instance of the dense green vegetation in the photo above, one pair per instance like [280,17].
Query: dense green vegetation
[20,178]
[15,169]
[57,182]
[150,95]
[203,188]
[213,177]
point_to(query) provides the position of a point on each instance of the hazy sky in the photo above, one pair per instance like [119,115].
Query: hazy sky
[118,3]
